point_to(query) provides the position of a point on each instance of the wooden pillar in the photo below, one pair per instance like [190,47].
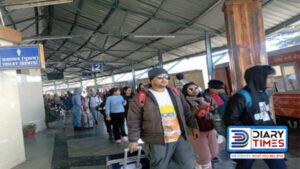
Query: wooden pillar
[245,37]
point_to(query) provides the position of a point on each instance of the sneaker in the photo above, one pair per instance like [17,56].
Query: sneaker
[215,160]
[119,141]
[125,139]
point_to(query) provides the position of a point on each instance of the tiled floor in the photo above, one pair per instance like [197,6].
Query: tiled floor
[62,148]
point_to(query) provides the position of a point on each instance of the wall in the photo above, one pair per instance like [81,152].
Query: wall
[31,98]
[11,138]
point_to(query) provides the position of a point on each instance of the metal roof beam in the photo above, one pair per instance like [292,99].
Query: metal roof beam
[98,28]
[70,31]
[37,25]
[25,20]
[10,18]
[194,27]
[283,24]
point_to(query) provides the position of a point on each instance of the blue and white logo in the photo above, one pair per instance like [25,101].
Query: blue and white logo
[257,139]
[240,138]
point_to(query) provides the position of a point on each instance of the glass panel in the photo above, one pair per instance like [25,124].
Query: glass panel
[279,81]
[291,79]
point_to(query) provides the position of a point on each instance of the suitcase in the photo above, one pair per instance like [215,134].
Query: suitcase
[87,120]
[136,160]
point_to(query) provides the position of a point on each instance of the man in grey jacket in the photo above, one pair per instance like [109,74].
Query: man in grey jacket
[161,123]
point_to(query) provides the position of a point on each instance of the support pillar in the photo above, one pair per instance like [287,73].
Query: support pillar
[68,85]
[11,138]
[133,77]
[245,37]
[113,79]
[81,85]
[210,66]
[95,82]
[160,59]
[55,89]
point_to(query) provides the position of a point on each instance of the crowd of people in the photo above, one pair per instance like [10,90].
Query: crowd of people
[176,121]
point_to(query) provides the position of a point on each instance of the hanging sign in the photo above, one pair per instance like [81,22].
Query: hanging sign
[22,57]
[97,67]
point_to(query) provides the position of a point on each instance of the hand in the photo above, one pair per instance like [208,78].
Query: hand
[196,133]
[132,147]
[211,108]
[202,106]
[108,117]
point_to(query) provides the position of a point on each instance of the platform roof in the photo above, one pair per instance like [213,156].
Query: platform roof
[119,33]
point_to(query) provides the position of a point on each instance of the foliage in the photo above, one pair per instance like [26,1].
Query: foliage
[29,126]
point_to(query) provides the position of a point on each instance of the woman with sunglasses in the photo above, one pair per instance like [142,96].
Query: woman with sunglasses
[203,109]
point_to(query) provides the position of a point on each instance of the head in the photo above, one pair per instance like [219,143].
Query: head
[77,91]
[159,78]
[179,76]
[114,91]
[215,86]
[259,78]
[190,89]
[93,93]
[141,86]
[127,91]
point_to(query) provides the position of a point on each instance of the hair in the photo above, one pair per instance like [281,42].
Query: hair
[180,76]
[216,84]
[185,88]
[125,89]
[113,90]
[139,87]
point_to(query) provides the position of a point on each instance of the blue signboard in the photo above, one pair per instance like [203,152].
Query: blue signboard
[19,57]
[87,75]
[97,67]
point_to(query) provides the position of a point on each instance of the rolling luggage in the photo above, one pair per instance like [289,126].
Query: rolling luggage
[136,160]
[87,120]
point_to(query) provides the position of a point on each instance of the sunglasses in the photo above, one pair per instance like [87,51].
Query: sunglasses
[163,76]
[192,89]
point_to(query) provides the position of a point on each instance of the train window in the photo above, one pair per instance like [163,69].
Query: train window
[286,77]
[290,77]
[279,83]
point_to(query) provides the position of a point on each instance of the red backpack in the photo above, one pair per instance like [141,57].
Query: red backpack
[142,95]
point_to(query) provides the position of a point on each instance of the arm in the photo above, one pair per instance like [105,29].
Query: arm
[134,120]
[234,109]
[189,117]
[107,106]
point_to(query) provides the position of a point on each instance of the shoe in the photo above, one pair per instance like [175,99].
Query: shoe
[215,160]
[125,139]
[119,141]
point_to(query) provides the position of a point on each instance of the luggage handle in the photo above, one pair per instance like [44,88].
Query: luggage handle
[138,164]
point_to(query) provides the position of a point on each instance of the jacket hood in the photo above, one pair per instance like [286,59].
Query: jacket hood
[256,77]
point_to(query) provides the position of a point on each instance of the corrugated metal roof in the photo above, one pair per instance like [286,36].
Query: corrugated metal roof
[117,23]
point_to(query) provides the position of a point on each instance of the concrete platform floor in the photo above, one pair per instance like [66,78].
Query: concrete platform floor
[62,148]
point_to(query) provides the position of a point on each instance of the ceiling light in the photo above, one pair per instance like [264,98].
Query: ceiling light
[29,39]
[32,3]
[154,36]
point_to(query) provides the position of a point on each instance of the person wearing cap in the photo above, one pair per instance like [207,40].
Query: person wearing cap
[91,102]
[258,79]
[161,122]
